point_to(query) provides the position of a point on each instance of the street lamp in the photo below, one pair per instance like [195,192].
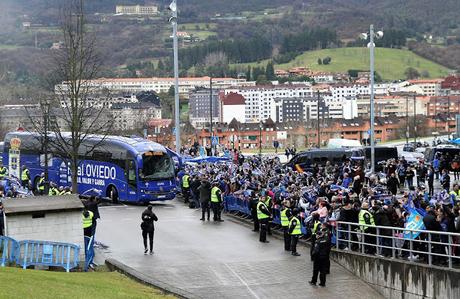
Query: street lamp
[46,110]
[371,35]
[173,21]
[261,124]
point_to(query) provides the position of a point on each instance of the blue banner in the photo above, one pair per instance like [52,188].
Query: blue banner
[415,221]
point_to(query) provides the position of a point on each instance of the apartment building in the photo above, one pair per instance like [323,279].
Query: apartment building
[158,85]
[133,116]
[145,10]
[259,100]
[200,102]
[431,87]
[393,105]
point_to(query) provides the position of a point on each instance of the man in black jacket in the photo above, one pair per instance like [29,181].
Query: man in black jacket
[393,184]
[432,224]
[194,184]
[321,261]
[381,218]
[205,196]
[147,226]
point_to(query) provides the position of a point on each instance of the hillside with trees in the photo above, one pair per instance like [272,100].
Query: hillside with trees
[221,33]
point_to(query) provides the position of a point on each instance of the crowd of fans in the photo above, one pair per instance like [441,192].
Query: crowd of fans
[341,191]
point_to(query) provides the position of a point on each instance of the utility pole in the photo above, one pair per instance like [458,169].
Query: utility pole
[317,119]
[46,108]
[435,114]
[210,116]
[260,138]
[371,48]
[448,115]
[173,20]
[407,120]
[415,119]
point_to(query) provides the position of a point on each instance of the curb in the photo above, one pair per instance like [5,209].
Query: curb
[115,265]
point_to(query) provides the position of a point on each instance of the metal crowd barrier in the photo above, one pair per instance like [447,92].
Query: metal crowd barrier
[44,253]
[236,204]
[431,247]
[8,247]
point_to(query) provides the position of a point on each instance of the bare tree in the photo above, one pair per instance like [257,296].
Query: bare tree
[74,115]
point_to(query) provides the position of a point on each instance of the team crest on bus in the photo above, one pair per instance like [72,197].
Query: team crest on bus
[15,143]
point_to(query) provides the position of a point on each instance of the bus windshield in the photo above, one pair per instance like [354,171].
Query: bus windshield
[156,166]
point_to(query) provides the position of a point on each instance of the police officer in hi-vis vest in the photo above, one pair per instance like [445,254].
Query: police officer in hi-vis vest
[315,226]
[3,171]
[186,187]
[263,215]
[216,202]
[294,231]
[25,177]
[285,216]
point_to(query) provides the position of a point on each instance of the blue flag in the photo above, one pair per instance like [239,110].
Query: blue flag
[415,221]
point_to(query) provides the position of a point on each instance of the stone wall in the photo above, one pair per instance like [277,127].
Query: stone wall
[401,279]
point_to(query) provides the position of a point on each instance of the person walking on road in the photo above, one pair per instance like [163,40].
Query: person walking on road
[148,228]
[205,196]
[294,231]
[263,215]
[321,261]
[216,202]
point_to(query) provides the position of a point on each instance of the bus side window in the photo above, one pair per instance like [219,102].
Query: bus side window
[131,173]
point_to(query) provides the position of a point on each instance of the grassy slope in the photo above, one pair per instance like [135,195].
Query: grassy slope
[389,63]
[20,283]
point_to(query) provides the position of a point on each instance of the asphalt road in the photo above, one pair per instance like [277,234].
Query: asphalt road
[216,260]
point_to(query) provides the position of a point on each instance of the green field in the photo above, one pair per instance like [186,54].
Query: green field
[389,63]
[18,283]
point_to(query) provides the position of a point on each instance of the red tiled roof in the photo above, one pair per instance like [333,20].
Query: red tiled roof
[233,99]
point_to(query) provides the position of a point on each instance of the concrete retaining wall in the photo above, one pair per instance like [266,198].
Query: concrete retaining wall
[65,226]
[401,279]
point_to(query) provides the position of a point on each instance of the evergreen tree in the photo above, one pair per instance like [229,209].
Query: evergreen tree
[248,73]
[270,71]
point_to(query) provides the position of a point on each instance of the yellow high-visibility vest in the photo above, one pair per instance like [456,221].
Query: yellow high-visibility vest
[284,218]
[363,221]
[296,230]
[261,215]
[87,221]
[25,175]
[214,197]
[185,181]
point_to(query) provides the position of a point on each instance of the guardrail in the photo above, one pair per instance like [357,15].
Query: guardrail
[431,247]
[440,248]
[44,253]
[9,247]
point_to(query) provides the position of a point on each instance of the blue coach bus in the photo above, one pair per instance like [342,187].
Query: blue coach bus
[122,168]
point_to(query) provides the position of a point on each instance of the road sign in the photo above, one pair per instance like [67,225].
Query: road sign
[215,140]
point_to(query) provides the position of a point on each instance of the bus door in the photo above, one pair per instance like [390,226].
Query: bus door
[131,178]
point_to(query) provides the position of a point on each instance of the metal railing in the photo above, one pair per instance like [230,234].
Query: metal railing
[430,247]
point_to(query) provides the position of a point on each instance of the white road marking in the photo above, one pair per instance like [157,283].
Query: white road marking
[243,282]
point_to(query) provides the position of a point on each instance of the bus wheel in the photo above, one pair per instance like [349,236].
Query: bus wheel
[113,194]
